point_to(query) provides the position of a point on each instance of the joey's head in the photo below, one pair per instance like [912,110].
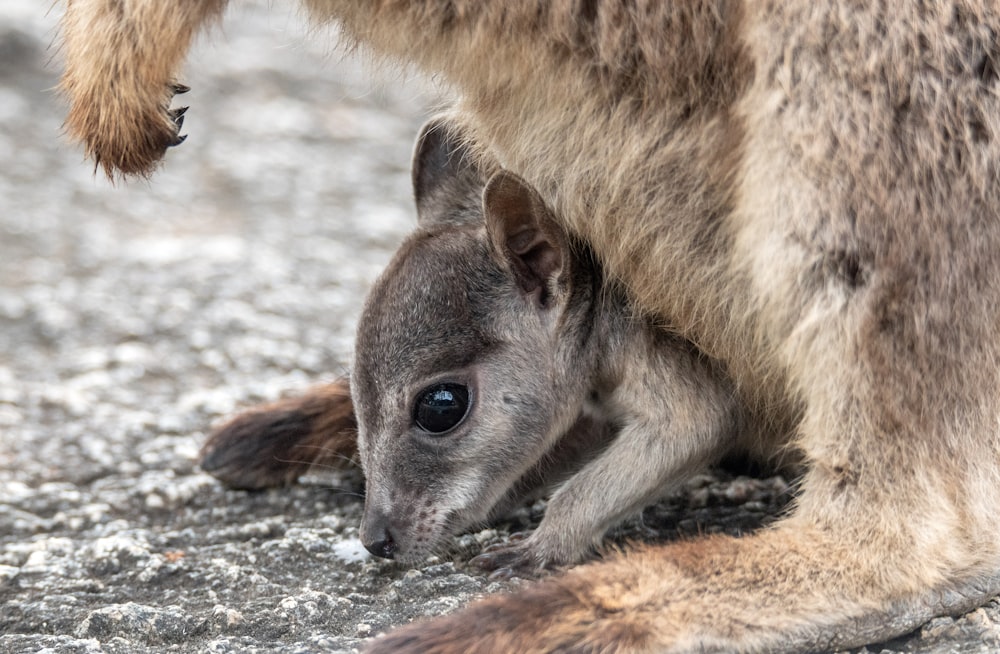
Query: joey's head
[469,359]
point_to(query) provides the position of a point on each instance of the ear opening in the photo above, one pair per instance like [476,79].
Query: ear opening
[444,173]
[525,235]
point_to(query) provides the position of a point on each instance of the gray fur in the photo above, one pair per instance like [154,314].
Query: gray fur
[490,291]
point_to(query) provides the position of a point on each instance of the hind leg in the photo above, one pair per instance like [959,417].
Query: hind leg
[870,553]
[786,590]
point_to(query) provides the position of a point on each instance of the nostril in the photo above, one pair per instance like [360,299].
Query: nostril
[384,548]
[377,534]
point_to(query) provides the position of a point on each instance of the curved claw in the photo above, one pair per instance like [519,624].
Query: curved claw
[506,561]
[503,574]
[177,115]
[180,88]
[512,540]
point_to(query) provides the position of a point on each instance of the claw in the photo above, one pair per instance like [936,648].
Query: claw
[502,558]
[502,574]
[486,561]
[516,537]
[180,88]
[177,115]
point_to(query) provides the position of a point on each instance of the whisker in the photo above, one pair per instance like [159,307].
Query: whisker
[311,462]
[342,491]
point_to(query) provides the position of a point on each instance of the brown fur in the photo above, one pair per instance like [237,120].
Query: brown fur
[275,444]
[807,191]
[122,113]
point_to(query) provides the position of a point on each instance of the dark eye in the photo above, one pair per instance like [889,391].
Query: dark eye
[440,408]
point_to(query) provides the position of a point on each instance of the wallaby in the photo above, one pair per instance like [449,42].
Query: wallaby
[561,366]
[488,335]
[805,190]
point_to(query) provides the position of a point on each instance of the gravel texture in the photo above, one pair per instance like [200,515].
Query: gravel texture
[132,318]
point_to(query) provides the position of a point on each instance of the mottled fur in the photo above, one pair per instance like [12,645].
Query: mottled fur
[808,192]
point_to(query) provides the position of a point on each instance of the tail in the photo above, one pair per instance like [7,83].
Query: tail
[121,61]
[274,444]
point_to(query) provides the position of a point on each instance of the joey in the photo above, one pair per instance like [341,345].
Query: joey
[489,334]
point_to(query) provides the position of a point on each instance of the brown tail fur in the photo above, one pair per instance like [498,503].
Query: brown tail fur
[275,444]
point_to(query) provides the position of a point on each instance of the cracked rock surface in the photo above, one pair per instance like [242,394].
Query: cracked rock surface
[133,317]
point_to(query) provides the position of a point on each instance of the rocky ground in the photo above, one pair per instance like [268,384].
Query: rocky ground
[132,318]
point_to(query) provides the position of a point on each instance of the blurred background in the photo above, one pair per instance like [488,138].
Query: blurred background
[234,273]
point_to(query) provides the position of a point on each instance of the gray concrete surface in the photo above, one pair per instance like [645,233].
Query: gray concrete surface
[134,317]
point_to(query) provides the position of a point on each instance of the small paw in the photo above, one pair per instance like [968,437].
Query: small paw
[516,558]
[135,137]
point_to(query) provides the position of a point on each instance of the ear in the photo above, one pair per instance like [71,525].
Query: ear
[525,236]
[446,181]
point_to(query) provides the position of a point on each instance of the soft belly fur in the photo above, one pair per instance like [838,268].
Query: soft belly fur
[805,190]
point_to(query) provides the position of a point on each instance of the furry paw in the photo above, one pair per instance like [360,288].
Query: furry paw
[128,133]
[120,61]
[517,558]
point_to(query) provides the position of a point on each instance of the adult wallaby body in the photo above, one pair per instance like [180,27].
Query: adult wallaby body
[805,191]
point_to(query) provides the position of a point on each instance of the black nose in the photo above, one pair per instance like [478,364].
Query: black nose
[377,537]
[384,548]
